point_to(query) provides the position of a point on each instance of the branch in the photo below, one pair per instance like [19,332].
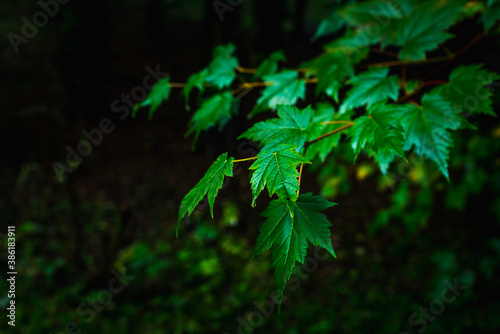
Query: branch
[177,84]
[328,134]
[402,62]
[455,55]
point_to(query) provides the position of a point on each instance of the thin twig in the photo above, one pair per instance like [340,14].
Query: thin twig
[328,134]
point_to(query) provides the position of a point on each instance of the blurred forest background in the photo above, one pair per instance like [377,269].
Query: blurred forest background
[397,245]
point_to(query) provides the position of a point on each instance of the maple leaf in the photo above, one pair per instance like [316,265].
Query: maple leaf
[276,169]
[270,65]
[371,87]
[333,23]
[467,89]
[380,133]
[284,88]
[195,80]
[221,69]
[427,128]
[209,185]
[290,127]
[424,28]
[217,110]
[330,68]
[288,227]
[159,93]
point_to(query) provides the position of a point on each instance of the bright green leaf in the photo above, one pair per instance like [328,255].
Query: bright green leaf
[290,127]
[217,110]
[276,168]
[285,88]
[270,65]
[371,87]
[424,28]
[330,68]
[195,80]
[288,227]
[333,23]
[159,93]
[427,128]
[380,134]
[221,70]
[209,185]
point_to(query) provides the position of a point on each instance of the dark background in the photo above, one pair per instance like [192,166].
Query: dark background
[396,249]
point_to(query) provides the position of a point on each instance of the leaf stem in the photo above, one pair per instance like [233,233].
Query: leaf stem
[300,171]
[177,84]
[246,70]
[246,159]
[433,82]
[385,52]
[336,122]
[329,134]
[452,56]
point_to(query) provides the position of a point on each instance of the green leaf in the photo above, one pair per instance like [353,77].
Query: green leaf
[491,14]
[159,93]
[424,28]
[209,185]
[290,127]
[411,86]
[324,112]
[285,88]
[380,134]
[288,226]
[370,12]
[466,89]
[330,68]
[195,80]
[276,168]
[217,110]
[221,70]
[371,87]
[333,23]
[270,65]
[427,128]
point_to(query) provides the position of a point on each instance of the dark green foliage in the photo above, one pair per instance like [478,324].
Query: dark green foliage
[387,112]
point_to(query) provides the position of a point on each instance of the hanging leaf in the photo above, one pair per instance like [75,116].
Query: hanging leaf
[427,128]
[209,185]
[288,227]
[159,93]
[221,70]
[276,169]
[371,87]
[216,110]
[270,65]
[380,134]
[291,127]
[284,88]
